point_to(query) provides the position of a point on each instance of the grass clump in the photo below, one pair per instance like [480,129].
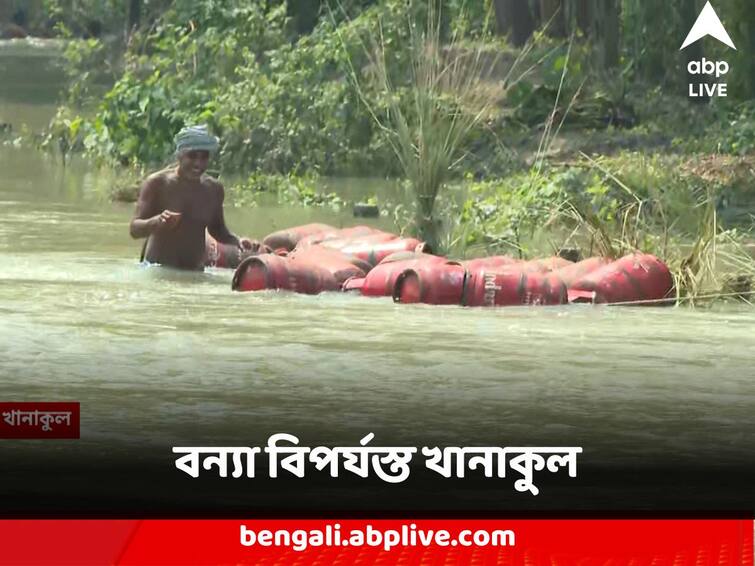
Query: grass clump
[665,205]
[428,115]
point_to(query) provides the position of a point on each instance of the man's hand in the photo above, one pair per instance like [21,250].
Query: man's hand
[167,220]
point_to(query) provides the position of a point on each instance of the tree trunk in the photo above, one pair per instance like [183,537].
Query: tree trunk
[134,15]
[502,16]
[514,19]
[552,14]
[613,33]
[582,15]
[304,14]
[606,32]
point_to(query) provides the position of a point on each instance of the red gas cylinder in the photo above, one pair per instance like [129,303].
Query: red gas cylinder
[340,265]
[373,252]
[336,233]
[270,271]
[382,278]
[492,262]
[353,284]
[288,239]
[227,255]
[351,241]
[546,264]
[576,271]
[406,256]
[637,278]
[511,286]
[431,283]
[221,255]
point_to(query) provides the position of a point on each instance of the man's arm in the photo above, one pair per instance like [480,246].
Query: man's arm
[217,227]
[148,217]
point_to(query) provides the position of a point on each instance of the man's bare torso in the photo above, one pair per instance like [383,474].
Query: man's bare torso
[200,204]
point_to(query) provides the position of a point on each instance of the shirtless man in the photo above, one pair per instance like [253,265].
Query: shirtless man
[177,205]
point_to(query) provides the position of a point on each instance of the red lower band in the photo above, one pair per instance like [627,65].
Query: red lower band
[385,542]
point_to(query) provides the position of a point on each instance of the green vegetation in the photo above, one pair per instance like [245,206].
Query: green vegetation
[668,205]
[428,122]
[262,188]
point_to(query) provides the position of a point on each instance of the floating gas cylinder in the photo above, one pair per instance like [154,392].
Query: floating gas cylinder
[336,233]
[342,266]
[288,239]
[492,262]
[545,265]
[405,256]
[358,241]
[440,283]
[636,279]
[221,255]
[373,252]
[270,271]
[382,278]
[353,284]
[227,255]
[576,271]
[511,286]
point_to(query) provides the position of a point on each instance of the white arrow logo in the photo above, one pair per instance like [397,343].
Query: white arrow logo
[708,24]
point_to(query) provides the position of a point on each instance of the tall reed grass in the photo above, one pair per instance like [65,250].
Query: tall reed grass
[429,115]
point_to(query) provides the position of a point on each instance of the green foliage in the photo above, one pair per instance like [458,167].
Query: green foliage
[507,215]
[735,133]
[430,113]
[295,110]
[653,32]
[283,189]
[664,205]
[283,102]
[66,133]
[176,71]
[278,105]
[88,64]
[470,18]
[83,18]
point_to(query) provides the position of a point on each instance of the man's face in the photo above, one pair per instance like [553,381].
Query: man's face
[193,163]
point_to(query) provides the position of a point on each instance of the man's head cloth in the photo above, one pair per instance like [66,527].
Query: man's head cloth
[196,138]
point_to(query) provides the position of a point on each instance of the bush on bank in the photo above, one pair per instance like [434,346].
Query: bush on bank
[282,101]
[279,103]
[689,210]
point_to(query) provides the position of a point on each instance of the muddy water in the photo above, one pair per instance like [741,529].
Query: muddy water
[158,357]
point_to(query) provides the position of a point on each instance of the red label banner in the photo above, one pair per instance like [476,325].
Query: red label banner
[444,542]
[39,420]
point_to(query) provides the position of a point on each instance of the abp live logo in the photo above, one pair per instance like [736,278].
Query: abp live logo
[708,23]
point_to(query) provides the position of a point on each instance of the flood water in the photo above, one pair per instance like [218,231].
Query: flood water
[158,357]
